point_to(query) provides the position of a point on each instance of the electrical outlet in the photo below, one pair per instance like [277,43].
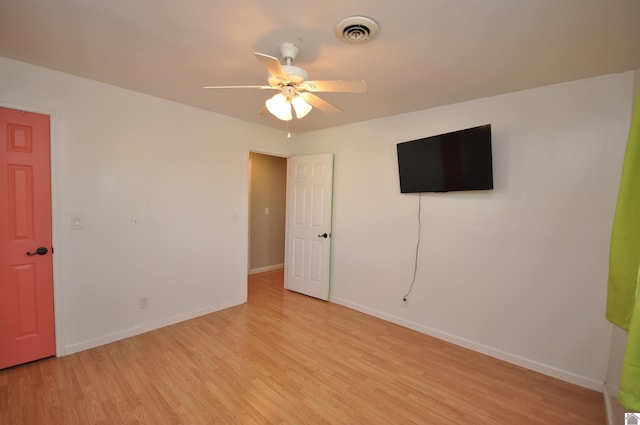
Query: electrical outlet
[144,303]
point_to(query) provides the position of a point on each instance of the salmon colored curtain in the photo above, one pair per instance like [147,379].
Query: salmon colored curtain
[623,300]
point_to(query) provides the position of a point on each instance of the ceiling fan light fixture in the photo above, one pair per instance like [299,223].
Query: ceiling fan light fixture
[280,107]
[301,107]
[294,87]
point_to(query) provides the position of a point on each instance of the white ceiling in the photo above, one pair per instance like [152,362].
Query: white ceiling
[427,52]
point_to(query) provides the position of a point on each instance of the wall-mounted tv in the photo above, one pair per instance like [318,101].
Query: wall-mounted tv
[460,160]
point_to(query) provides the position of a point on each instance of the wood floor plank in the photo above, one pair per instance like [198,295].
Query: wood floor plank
[284,358]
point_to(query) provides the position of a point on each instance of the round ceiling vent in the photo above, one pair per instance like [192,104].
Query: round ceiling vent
[356,29]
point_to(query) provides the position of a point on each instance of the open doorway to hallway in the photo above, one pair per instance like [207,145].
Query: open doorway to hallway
[267,211]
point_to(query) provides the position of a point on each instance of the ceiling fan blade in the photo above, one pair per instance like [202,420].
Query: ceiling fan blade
[239,87]
[263,111]
[273,66]
[323,105]
[336,86]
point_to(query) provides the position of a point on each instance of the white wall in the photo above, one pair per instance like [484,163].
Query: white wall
[162,190]
[518,272]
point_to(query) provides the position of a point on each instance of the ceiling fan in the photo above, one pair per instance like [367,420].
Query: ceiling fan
[294,88]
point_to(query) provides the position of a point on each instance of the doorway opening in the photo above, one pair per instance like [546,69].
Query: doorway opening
[267,212]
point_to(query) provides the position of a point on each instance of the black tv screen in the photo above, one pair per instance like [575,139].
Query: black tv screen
[460,160]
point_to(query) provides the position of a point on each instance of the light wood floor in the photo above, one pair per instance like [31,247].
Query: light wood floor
[284,358]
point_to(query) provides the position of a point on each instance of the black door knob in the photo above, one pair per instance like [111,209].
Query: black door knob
[324,235]
[40,251]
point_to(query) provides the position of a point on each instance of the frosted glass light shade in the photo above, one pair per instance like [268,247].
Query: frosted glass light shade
[301,107]
[279,106]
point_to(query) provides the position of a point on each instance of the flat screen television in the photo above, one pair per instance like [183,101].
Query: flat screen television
[460,160]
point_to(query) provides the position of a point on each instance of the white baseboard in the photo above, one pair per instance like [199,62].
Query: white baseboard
[266,268]
[137,330]
[481,348]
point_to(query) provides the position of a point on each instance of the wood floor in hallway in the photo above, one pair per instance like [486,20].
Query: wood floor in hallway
[284,358]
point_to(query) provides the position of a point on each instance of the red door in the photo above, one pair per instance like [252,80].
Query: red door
[26,266]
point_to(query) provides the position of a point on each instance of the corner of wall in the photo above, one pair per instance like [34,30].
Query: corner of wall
[614,411]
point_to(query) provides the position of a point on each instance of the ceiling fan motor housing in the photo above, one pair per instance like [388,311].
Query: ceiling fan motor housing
[296,74]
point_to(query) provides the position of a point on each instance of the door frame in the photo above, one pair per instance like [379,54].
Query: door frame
[56,224]
[250,149]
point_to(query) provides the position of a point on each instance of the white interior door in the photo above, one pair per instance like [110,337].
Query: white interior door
[308,240]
